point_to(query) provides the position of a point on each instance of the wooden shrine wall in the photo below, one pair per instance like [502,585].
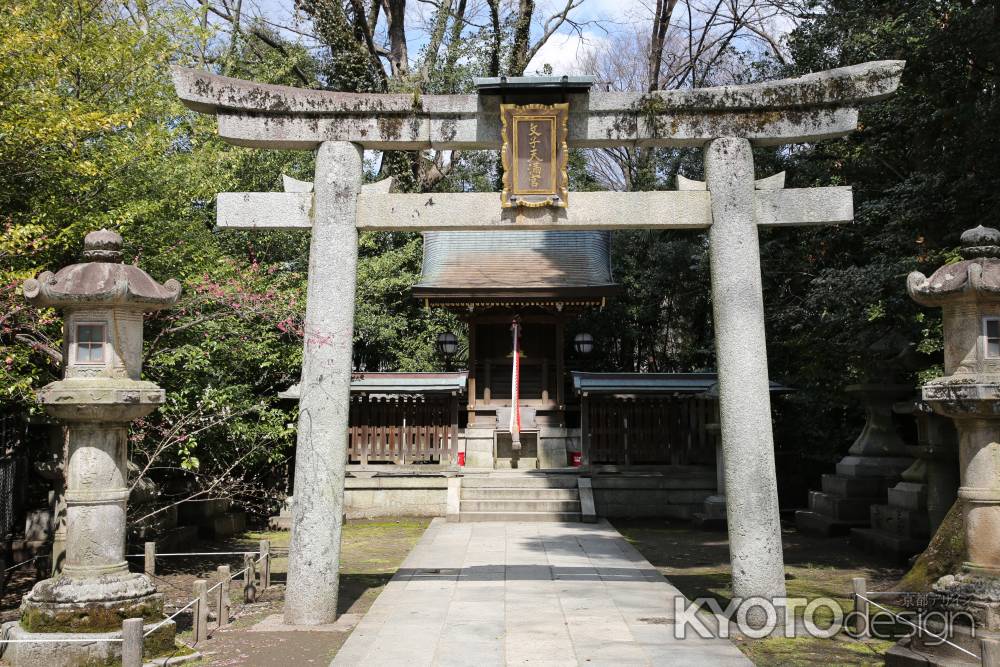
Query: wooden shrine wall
[654,430]
[403,429]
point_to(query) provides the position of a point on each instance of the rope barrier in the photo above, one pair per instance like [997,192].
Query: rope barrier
[68,640]
[192,603]
[916,627]
[170,618]
[196,553]
[25,562]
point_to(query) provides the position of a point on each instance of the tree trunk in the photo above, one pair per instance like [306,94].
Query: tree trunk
[522,34]
[396,16]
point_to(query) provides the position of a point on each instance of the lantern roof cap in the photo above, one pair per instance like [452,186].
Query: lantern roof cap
[103,245]
[980,241]
[101,280]
[978,273]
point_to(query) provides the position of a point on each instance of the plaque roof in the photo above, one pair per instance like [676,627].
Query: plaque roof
[516,267]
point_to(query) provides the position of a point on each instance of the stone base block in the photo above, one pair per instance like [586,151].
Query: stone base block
[702,520]
[226,525]
[842,508]
[50,652]
[197,511]
[909,495]
[713,516]
[890,467]
[901,521]
[927,652]
[897,547]
[842,485]
[529,463]
[814,523]
[552,451]
[977,596]
[175,540]
[478,448]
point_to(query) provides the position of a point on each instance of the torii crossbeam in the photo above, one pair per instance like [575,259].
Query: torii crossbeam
[725,121]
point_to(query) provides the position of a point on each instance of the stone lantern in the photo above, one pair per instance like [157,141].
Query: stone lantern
[101,392]
[968,292]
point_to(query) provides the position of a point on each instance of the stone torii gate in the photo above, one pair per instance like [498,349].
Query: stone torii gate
[725,121]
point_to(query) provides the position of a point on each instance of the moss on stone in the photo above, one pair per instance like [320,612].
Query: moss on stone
[944,554]
[88,618]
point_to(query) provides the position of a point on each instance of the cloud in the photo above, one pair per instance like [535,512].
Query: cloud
[564,53]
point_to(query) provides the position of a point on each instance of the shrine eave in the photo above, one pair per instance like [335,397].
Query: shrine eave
[589,294]
[806,108]
[397,383]
[587,383]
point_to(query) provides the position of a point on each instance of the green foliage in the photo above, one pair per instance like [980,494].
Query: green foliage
[924,168]
[92,135]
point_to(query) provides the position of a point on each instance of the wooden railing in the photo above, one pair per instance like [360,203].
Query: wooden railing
[402,429]
[656,430]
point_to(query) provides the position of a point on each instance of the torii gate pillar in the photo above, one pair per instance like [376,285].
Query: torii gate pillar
[741,352]
[325,395]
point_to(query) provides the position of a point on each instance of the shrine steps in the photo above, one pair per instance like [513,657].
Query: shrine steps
[511,497]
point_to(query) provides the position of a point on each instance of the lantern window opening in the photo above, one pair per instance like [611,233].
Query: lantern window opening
[90,342]
[991,337]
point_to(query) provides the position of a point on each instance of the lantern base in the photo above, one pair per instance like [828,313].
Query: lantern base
[92,604]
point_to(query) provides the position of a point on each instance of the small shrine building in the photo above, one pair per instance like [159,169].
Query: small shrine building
[570,418]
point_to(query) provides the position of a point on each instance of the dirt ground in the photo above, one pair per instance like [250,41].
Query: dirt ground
[697,562]
[372,551]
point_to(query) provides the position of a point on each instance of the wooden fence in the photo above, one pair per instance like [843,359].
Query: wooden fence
[403,429]
[655,430]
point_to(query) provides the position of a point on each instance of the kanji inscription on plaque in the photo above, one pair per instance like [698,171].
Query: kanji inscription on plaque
[534,155]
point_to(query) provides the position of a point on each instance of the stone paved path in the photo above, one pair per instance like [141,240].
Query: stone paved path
[527,593]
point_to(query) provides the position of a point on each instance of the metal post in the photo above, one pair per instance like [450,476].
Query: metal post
[861,622]
[265,564]
[249,579]
[132,642]
[223,605]
[201,610]
[150,568]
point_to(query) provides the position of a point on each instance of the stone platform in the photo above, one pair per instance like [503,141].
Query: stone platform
[50,651]
[502,593]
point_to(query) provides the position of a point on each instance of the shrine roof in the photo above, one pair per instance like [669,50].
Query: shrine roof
[398,383]
[652,383]
[518,266]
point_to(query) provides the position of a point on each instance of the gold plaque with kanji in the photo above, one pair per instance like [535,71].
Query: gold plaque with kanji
[534,155]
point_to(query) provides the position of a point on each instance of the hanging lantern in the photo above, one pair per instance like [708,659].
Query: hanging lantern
[447,344]
[583,343]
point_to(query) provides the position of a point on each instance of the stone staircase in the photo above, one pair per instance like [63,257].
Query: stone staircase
[521,498]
